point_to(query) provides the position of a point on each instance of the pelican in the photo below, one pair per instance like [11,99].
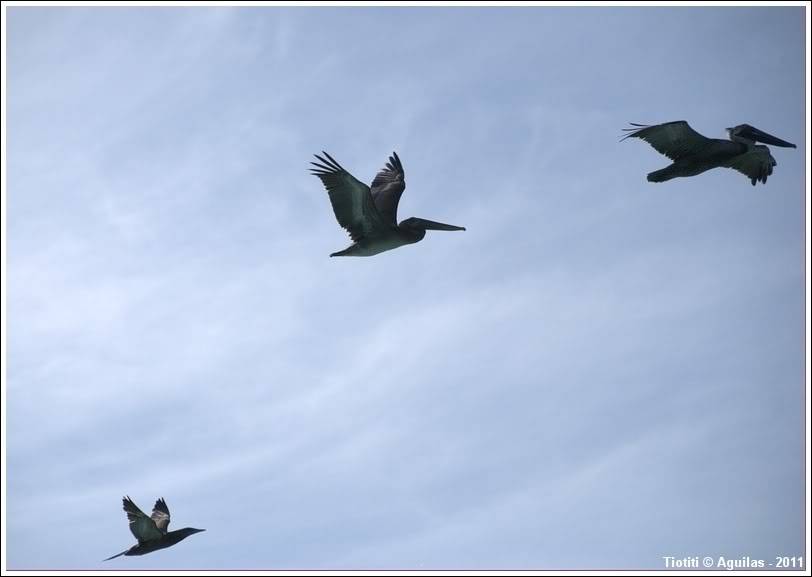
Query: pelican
[693,153]
[370,214]
[151,531]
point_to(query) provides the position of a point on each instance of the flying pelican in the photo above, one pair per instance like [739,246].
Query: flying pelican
[693,153]
[370,214]
[151,531]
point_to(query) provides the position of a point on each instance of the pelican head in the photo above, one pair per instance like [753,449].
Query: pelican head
[185,532]
[419,226]
[750,135]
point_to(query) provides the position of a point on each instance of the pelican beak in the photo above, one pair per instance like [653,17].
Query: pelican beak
[431,225]
[761,136]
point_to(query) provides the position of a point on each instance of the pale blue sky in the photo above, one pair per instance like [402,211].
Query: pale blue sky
[599,372]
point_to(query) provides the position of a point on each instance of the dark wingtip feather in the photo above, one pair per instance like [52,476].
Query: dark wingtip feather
[633,131]
[328,164]
[322,159]
[323,168]
[333,160]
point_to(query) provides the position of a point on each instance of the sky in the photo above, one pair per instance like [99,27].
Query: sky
[599,372]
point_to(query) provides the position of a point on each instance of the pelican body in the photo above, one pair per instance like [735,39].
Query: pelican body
[393,236]
[151,531]
[369,214]
[694,154]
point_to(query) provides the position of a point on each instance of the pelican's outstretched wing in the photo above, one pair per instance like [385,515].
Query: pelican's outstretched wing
[160,515]
[142,527]
[387,188]
[673,139]
[351,199]
[757,164]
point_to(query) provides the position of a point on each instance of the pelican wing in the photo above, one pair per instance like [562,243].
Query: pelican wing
[351,199]
[160,515]
[142,527]
[673,139]
[387,188]
[757,164]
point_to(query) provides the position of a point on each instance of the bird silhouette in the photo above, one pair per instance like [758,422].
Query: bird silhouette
[370,214]
[151,531]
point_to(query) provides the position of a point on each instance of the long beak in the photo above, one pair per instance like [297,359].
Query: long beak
[114,556]
[430,224]
[441,226]
[760,136]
